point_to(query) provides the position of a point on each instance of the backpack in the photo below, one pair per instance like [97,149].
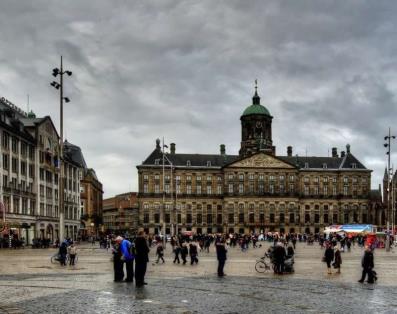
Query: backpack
[132,250]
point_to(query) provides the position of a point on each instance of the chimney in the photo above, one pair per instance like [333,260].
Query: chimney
[223,149]
[342,154]
[348,149]
[334,152]
[172,148]
[289,151]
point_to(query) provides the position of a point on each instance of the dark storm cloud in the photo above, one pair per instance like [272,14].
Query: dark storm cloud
[185,69]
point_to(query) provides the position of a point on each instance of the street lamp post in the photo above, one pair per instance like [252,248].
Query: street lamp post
[55,73]
[388,138]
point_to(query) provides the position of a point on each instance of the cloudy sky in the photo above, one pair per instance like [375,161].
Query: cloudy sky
[185,70]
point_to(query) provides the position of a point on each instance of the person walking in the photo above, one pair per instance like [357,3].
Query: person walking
[72,254]
[193,253]
[184,252]
[337,260]
[367,263]
[127,257]
[141,259]
[177,251]
[117,263]
[329,256]
[221,253]
[160,253]
[63,251]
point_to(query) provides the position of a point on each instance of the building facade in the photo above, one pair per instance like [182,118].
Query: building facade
[254,191]
[120,213]
[29,177]
[91,203]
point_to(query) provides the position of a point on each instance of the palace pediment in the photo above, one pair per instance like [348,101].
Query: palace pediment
[260,160]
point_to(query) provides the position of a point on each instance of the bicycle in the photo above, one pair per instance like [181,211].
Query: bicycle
[262,265]
[55,259]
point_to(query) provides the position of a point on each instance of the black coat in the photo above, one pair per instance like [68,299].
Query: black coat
[142,250]
[368,260]
[329,254]
[221,252]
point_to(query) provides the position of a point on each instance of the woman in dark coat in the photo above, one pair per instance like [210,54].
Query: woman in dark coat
[329,257]
[117,263]
[337,261]
[221,256]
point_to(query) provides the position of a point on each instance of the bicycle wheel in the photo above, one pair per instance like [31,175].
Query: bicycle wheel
[55,259]
[261,267]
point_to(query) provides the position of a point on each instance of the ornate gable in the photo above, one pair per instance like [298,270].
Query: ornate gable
[260,160]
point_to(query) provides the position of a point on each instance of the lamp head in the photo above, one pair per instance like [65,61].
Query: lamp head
[66,99]
[69,73]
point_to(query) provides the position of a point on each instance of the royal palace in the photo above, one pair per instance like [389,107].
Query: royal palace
[256,190]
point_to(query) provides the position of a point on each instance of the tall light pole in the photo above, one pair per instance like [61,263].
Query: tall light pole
[388,139]
[55,73]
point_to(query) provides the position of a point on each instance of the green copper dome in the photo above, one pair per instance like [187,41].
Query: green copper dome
[256,107]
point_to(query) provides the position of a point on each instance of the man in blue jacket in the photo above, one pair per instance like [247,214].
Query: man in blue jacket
[127,257]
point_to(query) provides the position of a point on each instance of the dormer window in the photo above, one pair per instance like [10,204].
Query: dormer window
[157,161]
[208,163]
[306,165]
[354,165]
[188,163]
[325,166]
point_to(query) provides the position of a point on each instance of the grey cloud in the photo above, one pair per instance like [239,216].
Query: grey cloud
[185,71]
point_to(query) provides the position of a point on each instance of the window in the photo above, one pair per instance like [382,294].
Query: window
[177,178]
[178,189]
[271,188]
[230,176]
[251,218]
[209,189]
[316,179]
[156,218]
[157,188]
[209,218]
[306,165]
[157,161]
[282,178]
[292,178]
[316,218]
[167,188]
[145,177]
[189,218]
[241,218]
[261,177]
[6,162]
[261,188]
[271,217]
[251,187]
[354,165]
[156,177]
[325,179]
[292,188]
[14,145]
[145,188]
[219,189]
[315,190]
[325,189]
[306,179]
[271,178]
[167,218]
[219,219]
[198,188]
[146,218]
[189,178]
[345,190]
[282,217]
[14,165]
[198,179]
[31,172]
[231,218]
[325,218]
[5,140]
[291,218]
[199,218]
[251,176]
[230,188]
[209,178]
[262,218]
[241,188]
[334,190]
[208,163]
[355,180]
[188,189]
[324,166]
[241,177]
[23,149]
[306,190]
[346,180]
[188,163]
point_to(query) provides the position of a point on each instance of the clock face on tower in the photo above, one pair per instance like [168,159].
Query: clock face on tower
[258,124]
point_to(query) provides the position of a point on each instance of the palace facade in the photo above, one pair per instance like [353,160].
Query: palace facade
[254,191]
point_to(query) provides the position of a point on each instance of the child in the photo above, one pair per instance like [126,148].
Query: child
[160,253]
[72,253]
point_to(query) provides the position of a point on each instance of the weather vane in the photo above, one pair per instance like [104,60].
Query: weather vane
[256,85]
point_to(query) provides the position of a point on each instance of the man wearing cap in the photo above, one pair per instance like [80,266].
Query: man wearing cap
[127,257]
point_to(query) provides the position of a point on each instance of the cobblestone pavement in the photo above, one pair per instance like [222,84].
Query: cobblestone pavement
[29,283]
